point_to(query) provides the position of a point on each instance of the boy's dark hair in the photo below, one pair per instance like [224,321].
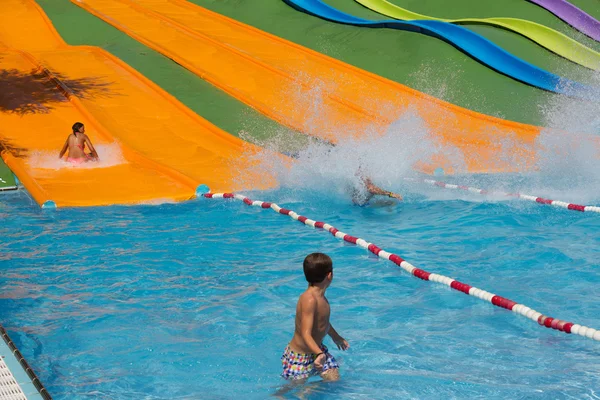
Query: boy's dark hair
[316,267]
[77,126]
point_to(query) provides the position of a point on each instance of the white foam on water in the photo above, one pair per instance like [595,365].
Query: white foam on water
[109,154]
[333,169]
[567,153]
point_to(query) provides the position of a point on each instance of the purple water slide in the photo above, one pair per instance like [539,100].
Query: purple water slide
[572,15]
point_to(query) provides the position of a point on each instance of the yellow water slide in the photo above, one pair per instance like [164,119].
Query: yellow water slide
[152,148]
[309,91]
[546,37]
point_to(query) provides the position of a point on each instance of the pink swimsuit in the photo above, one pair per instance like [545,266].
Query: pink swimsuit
[79,160]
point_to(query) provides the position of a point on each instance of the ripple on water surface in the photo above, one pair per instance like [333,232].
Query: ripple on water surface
[197,299]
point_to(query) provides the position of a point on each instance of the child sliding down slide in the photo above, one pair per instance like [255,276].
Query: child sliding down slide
[76,143]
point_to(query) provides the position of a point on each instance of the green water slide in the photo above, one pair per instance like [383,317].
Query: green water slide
[7,179]
[546,37]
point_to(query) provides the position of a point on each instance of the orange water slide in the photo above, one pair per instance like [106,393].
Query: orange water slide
[309,91]
[32,134]
[167,150]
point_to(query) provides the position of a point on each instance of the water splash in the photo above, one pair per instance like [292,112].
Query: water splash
[332,170]
[110,155]
[569,148]
[567,166]
[572,115]
[565,158]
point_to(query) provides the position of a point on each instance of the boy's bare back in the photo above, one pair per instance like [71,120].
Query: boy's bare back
[312,311]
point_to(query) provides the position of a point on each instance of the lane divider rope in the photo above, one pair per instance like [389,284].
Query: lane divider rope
[541,319]
[540,200]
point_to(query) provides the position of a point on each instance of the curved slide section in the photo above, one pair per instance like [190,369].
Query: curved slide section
[314,93]
[573,16]
[546,37]
[471,43]
[152,147]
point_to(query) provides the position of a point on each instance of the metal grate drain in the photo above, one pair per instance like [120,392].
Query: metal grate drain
[9,388]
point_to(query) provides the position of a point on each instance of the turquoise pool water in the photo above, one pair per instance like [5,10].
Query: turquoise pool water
[196,300]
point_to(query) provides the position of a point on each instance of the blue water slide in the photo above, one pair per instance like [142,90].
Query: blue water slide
[465,40]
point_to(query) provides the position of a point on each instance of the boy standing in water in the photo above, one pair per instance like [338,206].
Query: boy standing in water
[306,355]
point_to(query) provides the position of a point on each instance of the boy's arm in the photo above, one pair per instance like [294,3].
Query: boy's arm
[333,333]
[374,189]
[64,149]
[307,316]
[337,339]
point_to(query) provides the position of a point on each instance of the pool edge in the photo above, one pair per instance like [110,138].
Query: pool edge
[14,357]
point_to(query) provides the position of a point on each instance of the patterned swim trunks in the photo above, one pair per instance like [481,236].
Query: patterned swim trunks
[302,366]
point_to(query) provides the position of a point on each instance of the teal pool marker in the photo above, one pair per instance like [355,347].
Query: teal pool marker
[439,172]
[49,204]
[202,189]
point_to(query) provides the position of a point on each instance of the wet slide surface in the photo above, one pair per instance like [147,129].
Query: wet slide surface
[552,40]
[124,182]
[152,148]
[308,91]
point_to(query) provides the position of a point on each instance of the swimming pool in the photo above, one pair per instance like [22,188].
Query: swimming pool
[196,300]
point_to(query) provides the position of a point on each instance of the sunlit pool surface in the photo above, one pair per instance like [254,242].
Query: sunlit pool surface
[196,300]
